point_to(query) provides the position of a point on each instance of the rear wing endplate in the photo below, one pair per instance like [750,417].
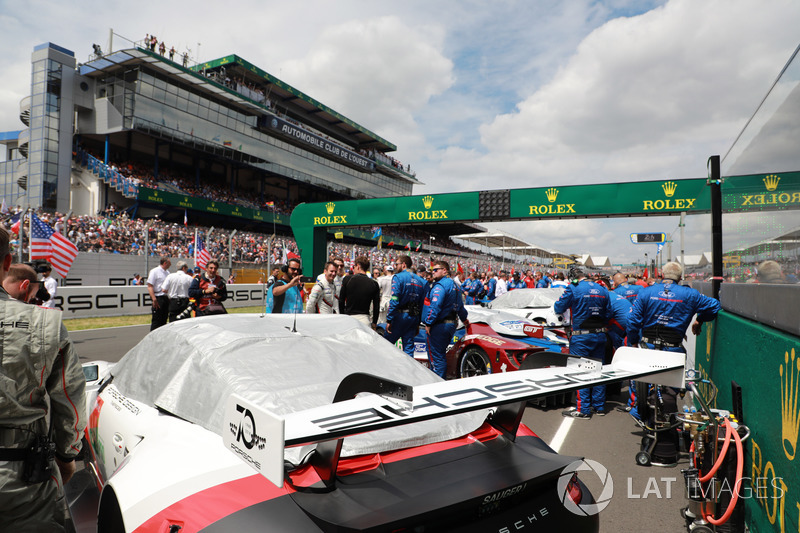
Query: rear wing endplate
[259,437]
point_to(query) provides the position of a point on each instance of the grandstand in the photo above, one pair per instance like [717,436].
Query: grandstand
[223,144]
[225,123]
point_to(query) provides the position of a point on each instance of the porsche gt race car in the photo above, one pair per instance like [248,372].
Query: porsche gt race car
[315,423]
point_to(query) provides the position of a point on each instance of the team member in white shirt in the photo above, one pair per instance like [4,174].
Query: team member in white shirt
[155,280]
[177,288]
[51,285]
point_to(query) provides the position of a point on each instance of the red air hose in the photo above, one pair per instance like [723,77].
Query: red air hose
[739,471]
[710,474]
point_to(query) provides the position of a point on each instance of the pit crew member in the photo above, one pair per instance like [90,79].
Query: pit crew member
[405,305]
[443,307]
[591,310]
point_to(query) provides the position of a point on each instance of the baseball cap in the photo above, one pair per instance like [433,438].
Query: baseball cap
[390,268]
[181,264]
[197,269]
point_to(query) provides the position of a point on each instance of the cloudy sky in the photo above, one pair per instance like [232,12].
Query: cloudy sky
[481,95]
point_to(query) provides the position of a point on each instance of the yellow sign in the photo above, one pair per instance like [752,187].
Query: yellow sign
[790,415]
[732,261]
[427,202]
[669,188]
[325,221]
[771,182]
[557,209]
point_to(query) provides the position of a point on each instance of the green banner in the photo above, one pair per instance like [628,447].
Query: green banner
[640,198]
[765,363]
[761,192]
[209,206]
[410,209]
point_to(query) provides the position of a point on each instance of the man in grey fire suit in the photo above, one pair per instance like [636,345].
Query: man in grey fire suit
[42,407]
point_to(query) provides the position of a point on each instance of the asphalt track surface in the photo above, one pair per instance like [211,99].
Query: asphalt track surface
[644,498]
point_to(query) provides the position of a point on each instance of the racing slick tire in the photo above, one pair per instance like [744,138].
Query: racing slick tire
[474,362]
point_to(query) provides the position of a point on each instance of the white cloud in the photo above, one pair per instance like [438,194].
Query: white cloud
[377,71]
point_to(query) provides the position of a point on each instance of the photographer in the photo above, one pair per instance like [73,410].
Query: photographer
[43,415]
[23,284]
[286,295]
[209,291]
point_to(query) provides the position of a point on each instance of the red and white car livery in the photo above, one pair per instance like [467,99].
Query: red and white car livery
[254,423]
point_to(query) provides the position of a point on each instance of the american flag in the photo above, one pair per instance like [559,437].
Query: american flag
[51,246]
[202,257]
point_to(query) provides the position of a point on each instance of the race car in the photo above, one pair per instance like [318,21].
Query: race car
[490,329]
[295,423]
[497,341]
[534,304]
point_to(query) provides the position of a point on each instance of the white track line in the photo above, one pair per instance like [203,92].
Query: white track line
[561,434]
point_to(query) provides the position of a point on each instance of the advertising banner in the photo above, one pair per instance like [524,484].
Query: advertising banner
[86,302]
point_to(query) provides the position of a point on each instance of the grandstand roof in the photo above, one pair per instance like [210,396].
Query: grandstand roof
[787,241]
[503,241]
[277,88]
[280,89]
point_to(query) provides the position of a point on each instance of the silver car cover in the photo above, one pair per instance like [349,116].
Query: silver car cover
[189,368]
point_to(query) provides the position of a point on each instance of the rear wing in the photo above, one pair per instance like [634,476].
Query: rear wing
[259,437]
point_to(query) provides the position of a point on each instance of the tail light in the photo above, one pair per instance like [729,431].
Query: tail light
[574,490]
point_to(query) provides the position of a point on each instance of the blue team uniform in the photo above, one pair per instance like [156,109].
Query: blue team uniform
[408,291]
[629,292]
[618,325]
[443,308]
[472,288]
[543,283]
[663,311]
[591,311]
[491,285]
[511,285]
[659,317]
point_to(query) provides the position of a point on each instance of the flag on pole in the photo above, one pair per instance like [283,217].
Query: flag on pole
[408,246]
[339,235]
[419,245]
[270,204]
[376,232]
[51,246]
[15,223]
[284,257]
[4,207]
[202,256]
[185,218]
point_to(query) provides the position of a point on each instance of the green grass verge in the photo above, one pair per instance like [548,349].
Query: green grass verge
[76,324]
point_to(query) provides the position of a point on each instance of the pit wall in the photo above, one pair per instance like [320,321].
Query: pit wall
[765,362]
